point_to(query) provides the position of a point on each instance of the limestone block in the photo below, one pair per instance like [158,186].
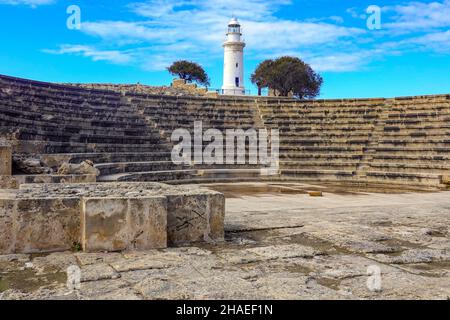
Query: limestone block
[195,218]
[8,182]
[191,87]
[446,179]
[84,168]
[5,160]
[178,83]
[212,94]
[7,216]
[115,224]
[46,224]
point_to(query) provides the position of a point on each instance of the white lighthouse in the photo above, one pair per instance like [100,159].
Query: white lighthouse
[233,68]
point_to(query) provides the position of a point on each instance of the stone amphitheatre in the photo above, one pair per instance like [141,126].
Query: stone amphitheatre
[87,180]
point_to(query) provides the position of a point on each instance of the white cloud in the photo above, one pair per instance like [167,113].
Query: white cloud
[195,29]
[31,3]
[339,62]
[416,16]
[164,31]
[113,56]
[356,14]
[438,42]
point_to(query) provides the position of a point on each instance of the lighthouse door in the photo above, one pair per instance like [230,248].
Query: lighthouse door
[237,82]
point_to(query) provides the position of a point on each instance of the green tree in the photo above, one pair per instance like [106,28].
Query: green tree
[261,76]
[288,75]
[189,71]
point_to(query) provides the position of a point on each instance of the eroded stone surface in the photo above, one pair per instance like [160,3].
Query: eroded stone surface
[5,159]
[115,224]
[40,224]
[108,216]
[189,219]
[277,247]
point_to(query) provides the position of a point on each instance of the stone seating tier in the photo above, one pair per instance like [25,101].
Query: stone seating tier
[127,134]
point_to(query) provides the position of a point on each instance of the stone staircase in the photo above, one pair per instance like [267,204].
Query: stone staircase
[128,135]
[413,143]
[396,141]
[67,124]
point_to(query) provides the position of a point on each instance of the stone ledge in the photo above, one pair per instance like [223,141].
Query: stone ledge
[108,216]
[8,182]
[54,178]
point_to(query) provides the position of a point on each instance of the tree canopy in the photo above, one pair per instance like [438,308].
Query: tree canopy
[189,71]
[287,75]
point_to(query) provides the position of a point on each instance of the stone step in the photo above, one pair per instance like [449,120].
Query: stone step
[33,95]
[320,141]
[189,174]
[414,143]
[391,132]
[234,166]
[105,157]
[62,133]
[311,134]
[71,127]
[408,158]
[169,129]
[322,122]
[437,168]
[320,149]
[334,128]
[56,117]
[404,178]
[188,109]
[173,112]
[302,156]
[54,178]
[357,114]
[51,88]
[399,115]
[319,175]
[229,173]
[60,136]
[412,150]
[399,110]
[323,131]
[81,110]
[315,165]
[124,167]
[148,176]
[417,121]
[204,180]
[304,108]
[36,146]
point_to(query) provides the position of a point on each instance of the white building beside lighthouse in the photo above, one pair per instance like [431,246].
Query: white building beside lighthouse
[233,68]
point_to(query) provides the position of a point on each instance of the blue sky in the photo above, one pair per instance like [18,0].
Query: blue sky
[133,41]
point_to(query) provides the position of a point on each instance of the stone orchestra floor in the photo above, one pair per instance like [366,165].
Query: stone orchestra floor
[281,243]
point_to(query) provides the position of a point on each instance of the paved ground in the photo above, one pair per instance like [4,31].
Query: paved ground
[281,244]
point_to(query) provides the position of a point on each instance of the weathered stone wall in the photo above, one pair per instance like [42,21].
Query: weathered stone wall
[117,224]
[178,88]
[38,224]
[108,217]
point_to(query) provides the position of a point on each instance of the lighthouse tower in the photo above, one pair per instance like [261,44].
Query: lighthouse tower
[233,68]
